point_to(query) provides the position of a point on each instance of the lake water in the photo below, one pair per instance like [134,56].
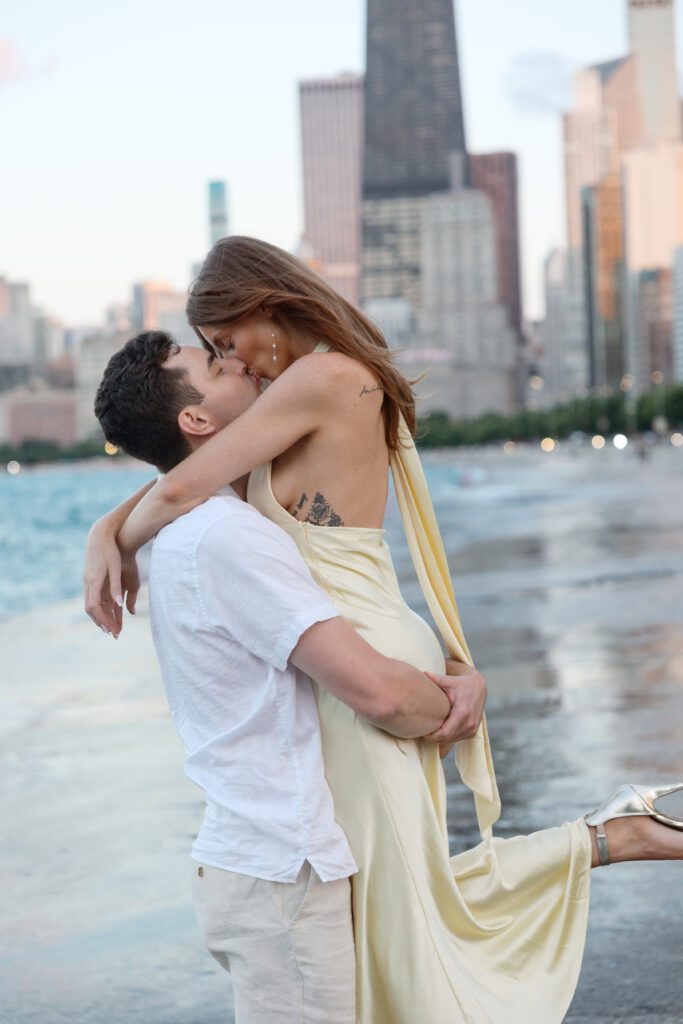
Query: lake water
[558,521]
[45,515]
[46,512]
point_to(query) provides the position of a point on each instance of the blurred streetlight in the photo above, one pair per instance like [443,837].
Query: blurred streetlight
[598,441]
[547,444]
[13,467]
[111,449]
[677,440]
[620,441]
[536,382]
[626,382]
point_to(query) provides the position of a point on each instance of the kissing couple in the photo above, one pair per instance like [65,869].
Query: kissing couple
[314,705]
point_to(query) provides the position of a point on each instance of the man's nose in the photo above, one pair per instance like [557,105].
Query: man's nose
[234,365]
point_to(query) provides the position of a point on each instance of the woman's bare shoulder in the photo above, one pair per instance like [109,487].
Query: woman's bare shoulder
[333,371]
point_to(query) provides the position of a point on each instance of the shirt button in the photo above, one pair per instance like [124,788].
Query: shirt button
[200,872]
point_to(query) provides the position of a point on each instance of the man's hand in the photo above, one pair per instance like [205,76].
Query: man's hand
[465,687]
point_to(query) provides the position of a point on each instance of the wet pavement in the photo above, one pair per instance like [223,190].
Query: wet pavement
[569,573]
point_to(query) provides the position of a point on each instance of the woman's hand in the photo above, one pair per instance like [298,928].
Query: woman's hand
[107,577]
[465,687]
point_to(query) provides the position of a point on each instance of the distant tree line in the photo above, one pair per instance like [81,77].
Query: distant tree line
[599,414]
[30,452]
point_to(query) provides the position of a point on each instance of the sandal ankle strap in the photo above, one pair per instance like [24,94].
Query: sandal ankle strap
[603,848]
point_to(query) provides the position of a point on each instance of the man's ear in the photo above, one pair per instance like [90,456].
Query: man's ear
[196,422]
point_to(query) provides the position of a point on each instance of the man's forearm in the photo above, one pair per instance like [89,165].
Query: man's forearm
[417,705]
[391,694]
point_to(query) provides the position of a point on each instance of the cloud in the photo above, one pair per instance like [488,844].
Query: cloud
[540,83]
[15,68]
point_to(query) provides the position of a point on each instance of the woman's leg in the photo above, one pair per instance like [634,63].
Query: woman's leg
[639,838]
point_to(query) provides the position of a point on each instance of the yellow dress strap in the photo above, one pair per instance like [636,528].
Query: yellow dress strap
[473,756]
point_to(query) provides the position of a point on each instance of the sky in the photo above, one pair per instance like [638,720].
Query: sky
[113,117]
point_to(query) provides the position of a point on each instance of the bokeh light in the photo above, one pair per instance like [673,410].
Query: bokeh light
[547,444]
[510,447]
[620,441]
[110,448]
[13,467]
[677,440]
[598,441]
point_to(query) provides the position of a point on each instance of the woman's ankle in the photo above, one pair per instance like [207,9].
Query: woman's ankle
[638,838]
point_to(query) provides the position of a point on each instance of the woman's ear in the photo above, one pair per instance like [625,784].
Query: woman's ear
[194,421]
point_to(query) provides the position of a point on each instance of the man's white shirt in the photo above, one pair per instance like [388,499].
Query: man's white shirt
[230,597]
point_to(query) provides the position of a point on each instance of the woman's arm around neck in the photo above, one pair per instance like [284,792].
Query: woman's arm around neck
[293,407]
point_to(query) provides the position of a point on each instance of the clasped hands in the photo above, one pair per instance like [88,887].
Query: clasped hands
[466,689]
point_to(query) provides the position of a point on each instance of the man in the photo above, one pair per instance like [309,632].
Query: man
[240,627]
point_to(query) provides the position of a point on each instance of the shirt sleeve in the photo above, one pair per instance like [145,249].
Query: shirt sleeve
[254,586]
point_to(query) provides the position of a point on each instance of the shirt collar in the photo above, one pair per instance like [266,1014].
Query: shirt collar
[229,491]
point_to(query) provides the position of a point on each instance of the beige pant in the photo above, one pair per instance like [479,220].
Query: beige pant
[289,948]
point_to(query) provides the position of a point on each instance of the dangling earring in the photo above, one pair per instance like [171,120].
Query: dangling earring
[274,349]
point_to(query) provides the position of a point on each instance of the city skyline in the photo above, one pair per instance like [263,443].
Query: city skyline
[116,146]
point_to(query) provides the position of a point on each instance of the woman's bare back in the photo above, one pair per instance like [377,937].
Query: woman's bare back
[337,476]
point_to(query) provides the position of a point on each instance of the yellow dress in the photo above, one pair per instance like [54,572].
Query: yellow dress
[494,935]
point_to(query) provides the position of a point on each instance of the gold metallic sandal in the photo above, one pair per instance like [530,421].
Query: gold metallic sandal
[628,801]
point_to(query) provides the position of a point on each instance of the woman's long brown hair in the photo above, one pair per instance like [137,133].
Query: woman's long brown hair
[242,275]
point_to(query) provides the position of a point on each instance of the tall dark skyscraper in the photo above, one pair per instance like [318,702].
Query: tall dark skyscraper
[414,136]
[413,119]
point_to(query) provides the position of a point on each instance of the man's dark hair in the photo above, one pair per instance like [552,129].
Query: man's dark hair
[138,401]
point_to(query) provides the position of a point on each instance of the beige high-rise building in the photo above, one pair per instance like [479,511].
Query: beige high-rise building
[653,213]
[331,152]
[158,307]
[678,316]
[622,193]
[652,43]
[602,125]
[621,104]
[653,196]
[653,205]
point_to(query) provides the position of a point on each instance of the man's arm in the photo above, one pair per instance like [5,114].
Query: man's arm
[391,694]
[257,590]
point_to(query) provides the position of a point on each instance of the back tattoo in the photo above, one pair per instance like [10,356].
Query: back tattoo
[320,512]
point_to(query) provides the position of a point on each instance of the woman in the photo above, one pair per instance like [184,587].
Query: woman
[494,934]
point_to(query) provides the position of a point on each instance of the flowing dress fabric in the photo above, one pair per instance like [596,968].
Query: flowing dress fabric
[494,935]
